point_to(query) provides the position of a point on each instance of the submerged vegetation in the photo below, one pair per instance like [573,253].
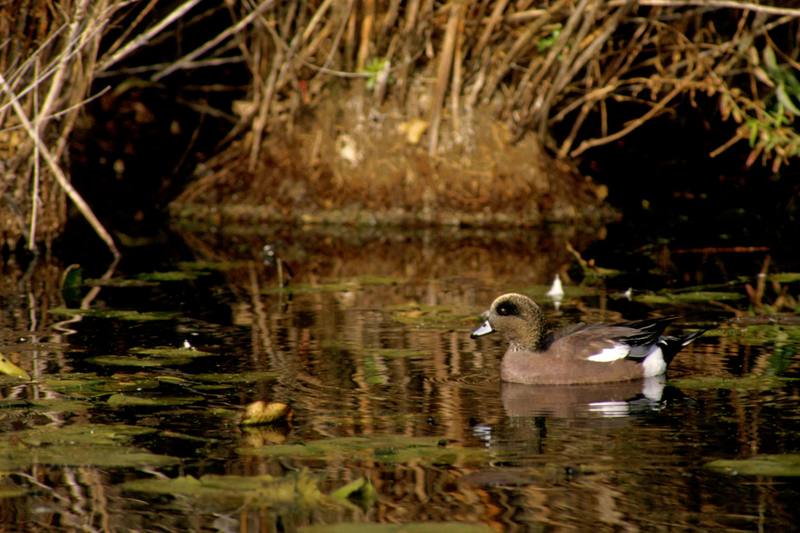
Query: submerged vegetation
[421,110]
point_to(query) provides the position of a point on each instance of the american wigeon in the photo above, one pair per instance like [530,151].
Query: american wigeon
[597,353]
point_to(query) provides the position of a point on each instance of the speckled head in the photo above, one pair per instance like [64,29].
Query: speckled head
[517,318]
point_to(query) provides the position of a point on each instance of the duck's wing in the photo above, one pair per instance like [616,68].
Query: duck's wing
[641,335]
[611,342]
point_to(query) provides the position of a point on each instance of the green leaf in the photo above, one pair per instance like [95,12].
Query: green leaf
[769,58]
[546,42]
[785,99]
[752,125]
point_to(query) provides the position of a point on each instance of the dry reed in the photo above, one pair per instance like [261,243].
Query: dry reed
[534,65]
[539,64]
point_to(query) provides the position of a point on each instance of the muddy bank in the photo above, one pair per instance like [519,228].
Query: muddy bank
[347,163]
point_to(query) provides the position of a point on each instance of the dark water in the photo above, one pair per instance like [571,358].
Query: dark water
[366,337]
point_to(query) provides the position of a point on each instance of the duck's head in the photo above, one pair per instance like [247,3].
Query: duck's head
[517,318]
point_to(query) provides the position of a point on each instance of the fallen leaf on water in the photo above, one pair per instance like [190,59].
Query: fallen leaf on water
[10,369]
[262,413]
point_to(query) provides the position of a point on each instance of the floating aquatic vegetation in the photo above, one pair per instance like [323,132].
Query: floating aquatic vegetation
[175,275]
[46,405]
[105,445]
[226,379]
[120,282]
[138,362]
[152,357]
[433,316]
[231,491]
[169,352]
[749,382]
[213,265]
[345,285]
[687,297]
[75,384]
[396,353]
[116,314]
[134,400]
[377,280]
[412,527]
[306,288]
[383,448]
[778,465]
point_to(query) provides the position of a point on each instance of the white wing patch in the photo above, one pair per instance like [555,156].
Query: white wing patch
[607,355]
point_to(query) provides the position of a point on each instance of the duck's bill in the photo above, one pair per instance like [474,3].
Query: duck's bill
[485,329]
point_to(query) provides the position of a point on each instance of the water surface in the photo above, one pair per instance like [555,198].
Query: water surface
[139,380]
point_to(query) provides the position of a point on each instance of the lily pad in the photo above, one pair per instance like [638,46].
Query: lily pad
[131,400]
[46,405]
[378,280]
[413,527]
[749,382]
[760,333]
[117,314]
[230,378]
[80,384]
[152,357]
[233,491]
[176,275]
[213,265]
[435,316]
[89,385]
[688,297]
[397,353]
[304,288]
[120,282]
[76,445]
[169,352]
[780,465]
[383,448]
[138,362]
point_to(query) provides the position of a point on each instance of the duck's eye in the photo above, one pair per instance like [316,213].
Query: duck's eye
[507,309]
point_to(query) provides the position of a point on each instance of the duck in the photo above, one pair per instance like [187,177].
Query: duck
[578,354]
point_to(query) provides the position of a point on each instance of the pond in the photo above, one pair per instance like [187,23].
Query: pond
[140,376]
